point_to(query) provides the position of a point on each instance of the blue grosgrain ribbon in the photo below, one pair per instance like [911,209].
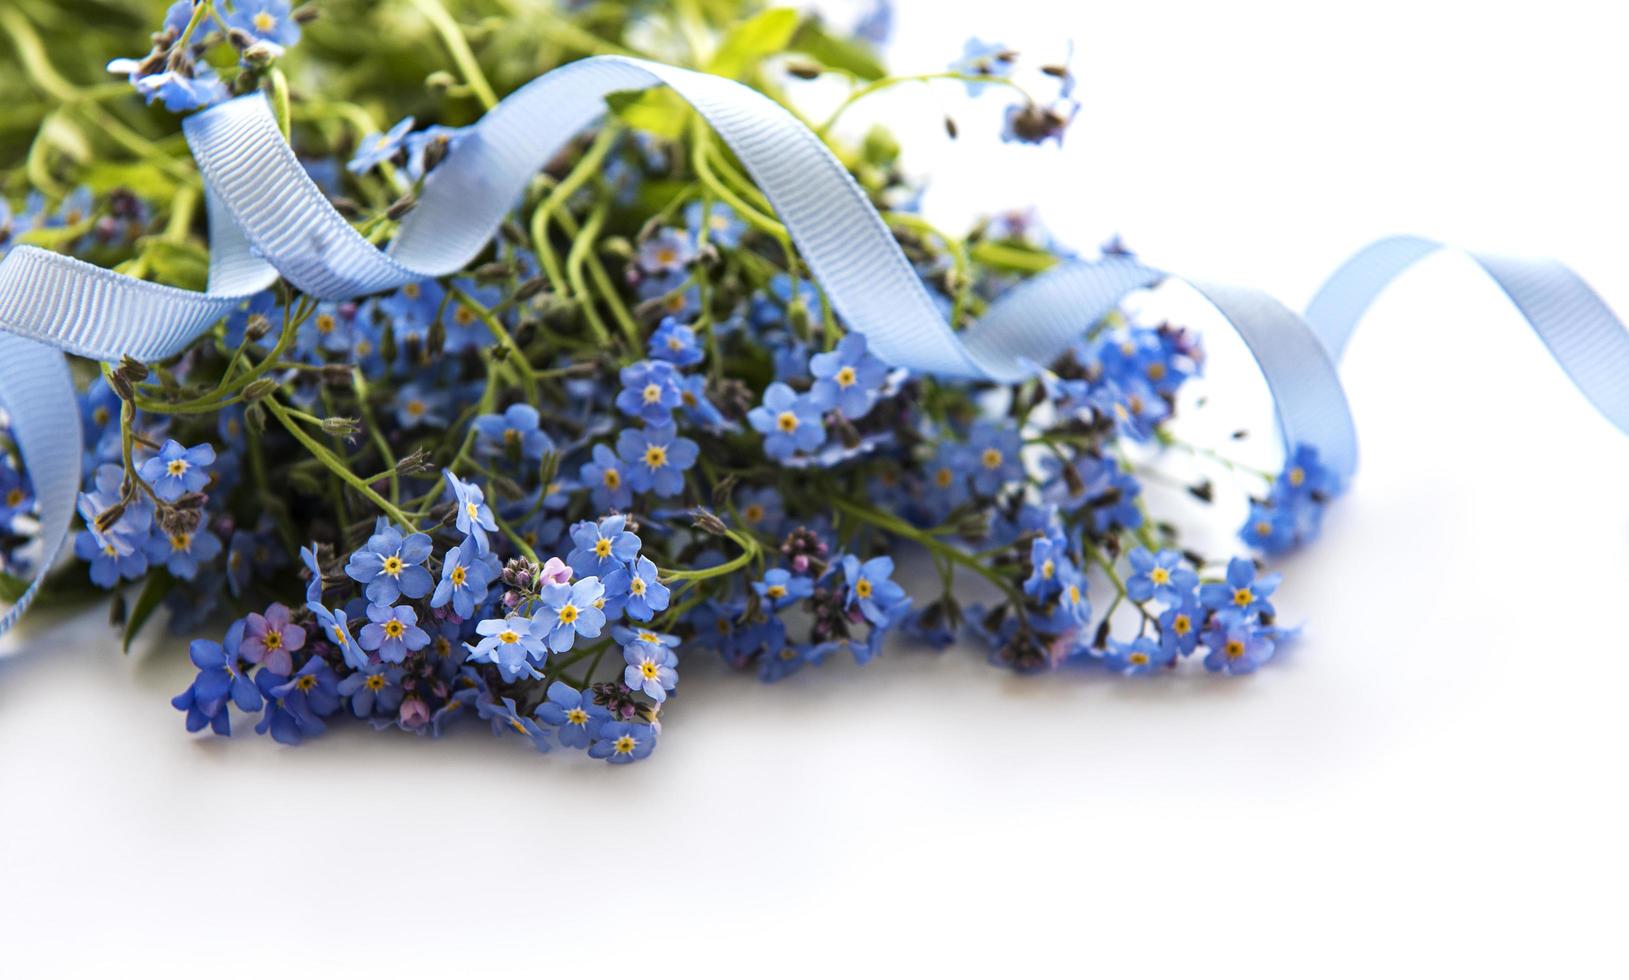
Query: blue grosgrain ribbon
[267,218]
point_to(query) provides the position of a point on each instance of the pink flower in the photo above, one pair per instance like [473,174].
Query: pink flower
[555,572]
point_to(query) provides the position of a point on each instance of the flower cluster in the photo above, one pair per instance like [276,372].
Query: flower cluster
[635,430]
[18,512]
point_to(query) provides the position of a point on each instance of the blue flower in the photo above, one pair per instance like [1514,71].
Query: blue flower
[377,148]
[623,741]
[637,581]
[574,717]
[847,378]
[870,587]
[393,633]
[569,611]
[266,20]
[983,59]
[467,329]
[295,705]
[946,475]
[994,450]
[466,575]
[183,552]
[761,510]
[669,250]
[391,565]
[1243,595]
[1049,565]
[650,669]
[474,518]
[420,143]
[505,718]
[603,477]
[308,558]
[724,229]
[650,391]
[180,90]
[511,644]
[1159,577]
[16,495]
[675,343]
[418,405]
[674,294]
[790,422]
[603,547]
[201,712]
[1270,529]
[1237,647]
[1140,656]
[377,688]
[222,672]
[1179,626]
[656,458]
[1073,601]
[413,308]
[513,435]
[177,470]
[780,588]
[336,628]
[698,409]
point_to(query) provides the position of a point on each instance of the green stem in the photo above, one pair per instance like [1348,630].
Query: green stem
[458,47]
[334,463]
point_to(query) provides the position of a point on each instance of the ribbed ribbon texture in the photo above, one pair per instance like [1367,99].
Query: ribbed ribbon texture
[268,219]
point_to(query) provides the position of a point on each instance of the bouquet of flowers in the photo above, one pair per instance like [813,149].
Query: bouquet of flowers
[635,430]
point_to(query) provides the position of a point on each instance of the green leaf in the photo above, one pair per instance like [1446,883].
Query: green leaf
[159,583]
[1014,258]
[752,40]
[837,53]
[657,111]
[11,587]
[181,264]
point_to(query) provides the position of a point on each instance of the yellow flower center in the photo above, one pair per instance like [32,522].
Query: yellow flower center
[786,422]
[637,586]
[458,576]
[411,290]
[624,745]
[375,683]
[1234,649]
[181,542]
[568,613]
[1159,576]
[1264,528]
[392,566]
[472,510]
[846,377]
[862,588]
[1048,567]
[666,256]
[273,640]
[646,636]
[1181,624]
[655,457]
[991,458]
[612,479]
[652,394]
[101,416]
[1138,657]
[944,477]
[325,323]
[1297,476]
[602,548]
[265,22]
[576,716]
[339,634]
[395,629]
[415,406]
[508,636]
[1243,597]
[464,316]
[306,682]
[776,592]
[787,653]
[176,467]
[1156,371]
[648,669]
[752,513]
[517,726]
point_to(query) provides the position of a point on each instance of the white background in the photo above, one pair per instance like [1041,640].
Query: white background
[1433,781]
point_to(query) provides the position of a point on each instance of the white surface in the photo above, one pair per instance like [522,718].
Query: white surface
[1432,782]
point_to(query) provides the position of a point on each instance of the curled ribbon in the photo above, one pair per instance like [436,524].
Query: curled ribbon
[268,218]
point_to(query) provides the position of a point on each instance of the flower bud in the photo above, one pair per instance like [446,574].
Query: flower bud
[259,388]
